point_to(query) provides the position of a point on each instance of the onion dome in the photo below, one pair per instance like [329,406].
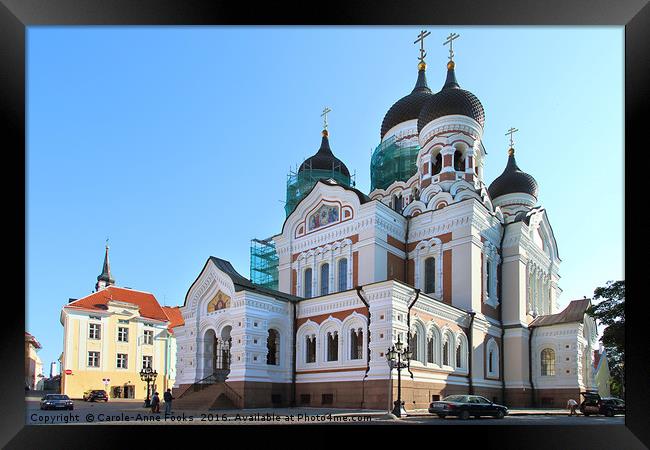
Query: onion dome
[408,108]
[513,180]
[324,159]
[451,100]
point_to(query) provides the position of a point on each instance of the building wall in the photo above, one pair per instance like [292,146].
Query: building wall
[78,344]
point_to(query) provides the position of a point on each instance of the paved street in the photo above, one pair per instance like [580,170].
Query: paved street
[121,412]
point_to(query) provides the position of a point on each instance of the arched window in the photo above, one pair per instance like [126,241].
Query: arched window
[437,165]
[273,348]
[343,274]
[492,358]
[459,359]
[430,344]
[548,362]
[445,353]
[488,269]
[397,203]
[356,343]
[429,275]
[332,346]
[413,345]
[324,279]
[459,161]
[310,348]
[307,283]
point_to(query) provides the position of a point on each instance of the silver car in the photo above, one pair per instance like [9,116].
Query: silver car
[56,401]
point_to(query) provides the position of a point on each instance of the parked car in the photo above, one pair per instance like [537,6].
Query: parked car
[464,406]
[94,395]
[594,404]
[56,401]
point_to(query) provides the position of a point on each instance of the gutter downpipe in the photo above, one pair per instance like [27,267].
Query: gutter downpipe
[530,365]
[408,326]
[359,289]
[503,330]
[471,350]
[293,363]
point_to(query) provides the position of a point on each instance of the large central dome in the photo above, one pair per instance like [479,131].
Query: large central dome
[408,107]
[451,100]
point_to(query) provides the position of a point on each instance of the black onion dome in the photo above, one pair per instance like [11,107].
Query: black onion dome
[324,159]
[513,180]
[409,107]
[451,100]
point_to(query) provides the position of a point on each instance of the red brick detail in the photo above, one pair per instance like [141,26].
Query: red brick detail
[446,160]
[446,276]
[294,280]
[341,315]
[411,273]
[394,267]
[396,243]
[444,238]
[354,239]
[426,182]
[469,177]
[355,269]
[446,176]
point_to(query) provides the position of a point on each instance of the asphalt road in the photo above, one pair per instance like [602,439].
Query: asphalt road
[132,412]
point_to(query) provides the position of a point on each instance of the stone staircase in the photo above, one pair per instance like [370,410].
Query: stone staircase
[210,393]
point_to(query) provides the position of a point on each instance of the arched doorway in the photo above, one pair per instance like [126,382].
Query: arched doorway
[222,350]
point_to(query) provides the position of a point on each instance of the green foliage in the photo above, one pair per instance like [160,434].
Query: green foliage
[610,311]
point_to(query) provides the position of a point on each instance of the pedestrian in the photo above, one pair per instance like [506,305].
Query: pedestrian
[167,396]
[155,403]
[571,406]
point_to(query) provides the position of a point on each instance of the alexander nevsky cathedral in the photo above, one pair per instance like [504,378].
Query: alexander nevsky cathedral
[463,271]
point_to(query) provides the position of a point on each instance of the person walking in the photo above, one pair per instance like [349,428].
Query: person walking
[571,406]
[155,403]
[167,396]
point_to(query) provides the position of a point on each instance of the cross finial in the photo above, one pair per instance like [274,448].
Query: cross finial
[420,39]
[510,132]
[450,41]
[324,116]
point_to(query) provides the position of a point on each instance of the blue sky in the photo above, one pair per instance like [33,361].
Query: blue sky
[175,142]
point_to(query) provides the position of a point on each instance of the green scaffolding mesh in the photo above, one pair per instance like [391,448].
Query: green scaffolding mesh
[264,263]
[392,161]
[300,183]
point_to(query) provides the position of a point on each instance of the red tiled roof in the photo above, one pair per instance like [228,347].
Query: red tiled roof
[32,339]
[97,301]
[175,317]
[574,312]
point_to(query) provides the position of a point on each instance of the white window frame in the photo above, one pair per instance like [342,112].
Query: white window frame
[151,361]
[119,334]
[491,260]
[98,330]
[492,345]
[98,360]
[424,250]
[126,361]
[145,335]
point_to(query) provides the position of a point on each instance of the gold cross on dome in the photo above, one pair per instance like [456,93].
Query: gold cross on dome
[450,41]
[324,116]
[510,132]
[420,39]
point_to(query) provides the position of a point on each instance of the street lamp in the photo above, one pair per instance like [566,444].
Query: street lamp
[398,358]
[149,375]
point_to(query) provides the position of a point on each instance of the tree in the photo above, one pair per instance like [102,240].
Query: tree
[610,311]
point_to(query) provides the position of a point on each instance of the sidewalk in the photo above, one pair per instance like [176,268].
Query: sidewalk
[276,411]
[511,412]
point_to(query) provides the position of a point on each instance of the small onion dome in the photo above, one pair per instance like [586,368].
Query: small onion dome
[408,108]
[324,159]
[513,180]
[451,100]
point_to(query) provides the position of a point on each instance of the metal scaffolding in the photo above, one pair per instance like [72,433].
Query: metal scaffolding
[264,263]
[392,161]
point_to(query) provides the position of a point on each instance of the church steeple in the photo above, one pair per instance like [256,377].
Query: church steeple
[105,279]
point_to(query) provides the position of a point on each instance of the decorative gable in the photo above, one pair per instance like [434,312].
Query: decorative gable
[220,301]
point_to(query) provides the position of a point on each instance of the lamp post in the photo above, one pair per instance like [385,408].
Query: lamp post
[148,374]
[398,358]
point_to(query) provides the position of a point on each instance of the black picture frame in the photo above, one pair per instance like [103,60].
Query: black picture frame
[16,15]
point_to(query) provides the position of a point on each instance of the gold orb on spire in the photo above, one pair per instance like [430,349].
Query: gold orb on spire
[451,65]
[325,133]
[511,151]
[422,66]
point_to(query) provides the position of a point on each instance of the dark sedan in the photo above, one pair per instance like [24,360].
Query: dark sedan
[94,395]
[595,404]
[56,401]
[464,406]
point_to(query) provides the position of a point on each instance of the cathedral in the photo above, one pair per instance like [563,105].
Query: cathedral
[464,273]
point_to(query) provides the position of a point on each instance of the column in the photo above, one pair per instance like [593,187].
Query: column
[447,173]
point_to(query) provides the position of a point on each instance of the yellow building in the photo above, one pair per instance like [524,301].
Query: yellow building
[111,335]
[33,364]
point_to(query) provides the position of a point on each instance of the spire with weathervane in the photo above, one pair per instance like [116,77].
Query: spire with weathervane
[105,279]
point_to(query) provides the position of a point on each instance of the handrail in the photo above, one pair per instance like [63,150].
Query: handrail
[238,401]
[201,384]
